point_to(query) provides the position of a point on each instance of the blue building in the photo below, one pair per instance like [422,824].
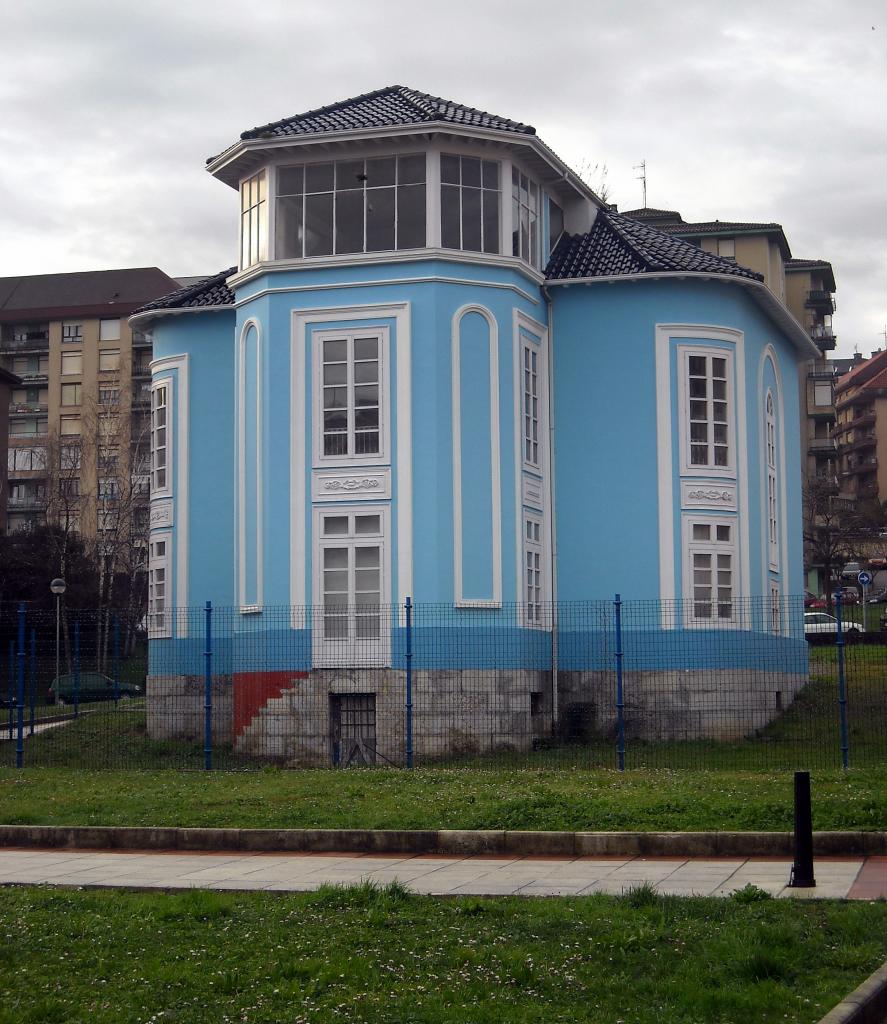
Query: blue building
[444,370]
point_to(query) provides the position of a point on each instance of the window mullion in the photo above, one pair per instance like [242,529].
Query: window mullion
[352,416]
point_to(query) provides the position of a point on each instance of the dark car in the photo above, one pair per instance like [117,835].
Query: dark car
[92,686]
[878,596]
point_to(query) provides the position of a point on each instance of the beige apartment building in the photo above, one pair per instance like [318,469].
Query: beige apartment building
[78,436]
[861,431]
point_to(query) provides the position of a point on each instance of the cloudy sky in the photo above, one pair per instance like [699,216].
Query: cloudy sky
[761,111]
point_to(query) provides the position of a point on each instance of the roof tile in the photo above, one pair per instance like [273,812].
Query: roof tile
[210,292]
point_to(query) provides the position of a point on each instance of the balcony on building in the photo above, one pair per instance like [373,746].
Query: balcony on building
[820,300]
[21,500]
[861,465]
[141,340]
[824,337]
[822,446]
[27,408]
[28,338]
[859,441]
[141,368]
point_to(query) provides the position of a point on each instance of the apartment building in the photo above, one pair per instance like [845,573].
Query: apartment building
[78,435]
[861,431]
[8,381]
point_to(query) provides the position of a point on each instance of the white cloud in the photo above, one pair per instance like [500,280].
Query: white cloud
[764,111]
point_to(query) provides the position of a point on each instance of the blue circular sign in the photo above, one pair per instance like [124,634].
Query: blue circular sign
[865,578]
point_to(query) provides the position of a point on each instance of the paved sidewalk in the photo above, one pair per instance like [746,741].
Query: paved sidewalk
[839,878]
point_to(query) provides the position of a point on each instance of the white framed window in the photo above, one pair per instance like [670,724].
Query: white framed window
[534,563]
[72,333]
[524,217]
[253,220]
[69,425]
[706,411]
[109,330]
[72,363]
[775,610]
[109,359]
[159,608]
[26,459]
[727,248]
[350,206]
[710,571]
[351,397]
[823,394]
[530,359]
[470,201]
[555,224]
[772,482]
[161,482]
[352,586]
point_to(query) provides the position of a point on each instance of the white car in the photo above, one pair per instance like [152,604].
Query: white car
[820,626]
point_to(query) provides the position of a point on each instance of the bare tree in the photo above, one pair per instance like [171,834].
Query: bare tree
[835,531]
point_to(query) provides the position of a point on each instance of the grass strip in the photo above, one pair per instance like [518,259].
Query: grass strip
[380,954]
[571,799]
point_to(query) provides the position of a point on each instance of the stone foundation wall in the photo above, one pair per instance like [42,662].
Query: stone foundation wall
[462,713]
[717,704]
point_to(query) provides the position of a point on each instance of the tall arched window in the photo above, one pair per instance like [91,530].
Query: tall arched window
[772,482]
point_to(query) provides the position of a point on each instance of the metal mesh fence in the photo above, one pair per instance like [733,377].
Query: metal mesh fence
[606,684]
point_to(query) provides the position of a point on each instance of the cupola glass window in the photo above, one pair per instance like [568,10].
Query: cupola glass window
[524,217]
[469,203]
[253,221]
[350,206]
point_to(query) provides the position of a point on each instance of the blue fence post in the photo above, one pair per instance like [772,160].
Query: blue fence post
[20,692]
[10,687]
[208,690]
[32,679]
[408,607]
[76,668]
[620,696]
[116,659]
[842,686]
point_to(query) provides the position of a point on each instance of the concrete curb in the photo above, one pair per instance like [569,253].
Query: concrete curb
[865,1005]
[448,841]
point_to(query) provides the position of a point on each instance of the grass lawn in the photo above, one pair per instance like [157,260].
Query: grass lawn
[371,954]
[468,798]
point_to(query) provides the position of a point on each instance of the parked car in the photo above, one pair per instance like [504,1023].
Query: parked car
[848,595]
[877,563]
[93,686]
[851,570]
[810,598]
[820,627]
[878,596]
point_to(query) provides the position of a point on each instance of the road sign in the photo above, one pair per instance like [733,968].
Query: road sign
[865,578]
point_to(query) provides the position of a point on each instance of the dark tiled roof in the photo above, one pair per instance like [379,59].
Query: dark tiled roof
[714,227]
[618,245]
[87,293]
[392,106]
[210,292]
[649,213]
[806,264]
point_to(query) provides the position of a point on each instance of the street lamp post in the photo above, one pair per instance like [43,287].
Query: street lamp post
[58,587]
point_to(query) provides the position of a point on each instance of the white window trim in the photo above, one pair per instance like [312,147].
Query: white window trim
[775,615]
[302,322]
[543,622]
[459,599]
[167,490]
[261,175]
[687,468]
[164,561]
[536,346]
[109,320]
[538,475]
[363,653]
[785,567]
[383,458]
[241,456]
[688,547]
[771,477]
[175,370]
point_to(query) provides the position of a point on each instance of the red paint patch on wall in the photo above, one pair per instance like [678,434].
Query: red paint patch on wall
[253,690]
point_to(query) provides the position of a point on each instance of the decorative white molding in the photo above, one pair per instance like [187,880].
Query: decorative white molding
[520,321]
[495,471]
[708,494]
[533,491]
[348,484]
[785,553]
[161,513]
[669,463]
[375,283]
[175,369]
[241,456]
[302,320]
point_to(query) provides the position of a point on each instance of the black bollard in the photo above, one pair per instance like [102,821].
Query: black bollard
[802,869]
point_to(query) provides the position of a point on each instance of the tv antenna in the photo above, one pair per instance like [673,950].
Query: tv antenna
[642,177]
